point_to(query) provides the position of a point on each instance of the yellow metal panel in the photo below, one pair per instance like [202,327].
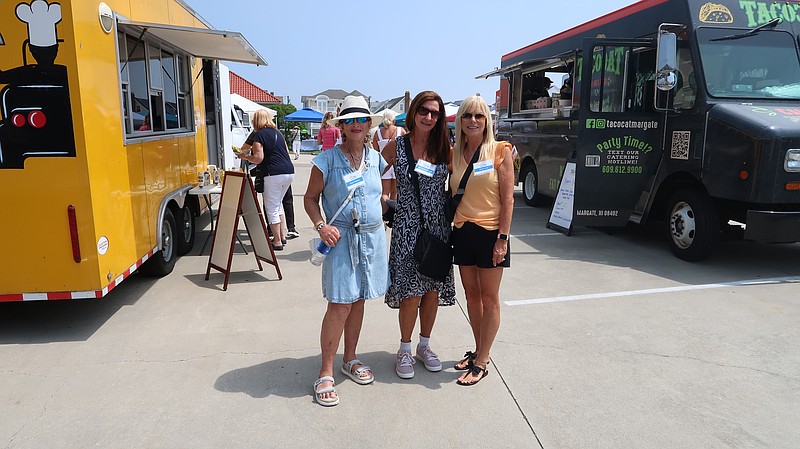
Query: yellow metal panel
[35,233]
[116,189]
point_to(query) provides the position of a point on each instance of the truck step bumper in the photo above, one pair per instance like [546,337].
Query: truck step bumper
[772,227]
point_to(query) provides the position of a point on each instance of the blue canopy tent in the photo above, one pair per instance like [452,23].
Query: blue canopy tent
[304,115]
[400,120]
[309,116]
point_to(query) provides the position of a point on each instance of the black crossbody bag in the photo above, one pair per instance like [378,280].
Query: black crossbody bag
[433,255]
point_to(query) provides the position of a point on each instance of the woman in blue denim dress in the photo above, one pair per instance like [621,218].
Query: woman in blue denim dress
[356,268]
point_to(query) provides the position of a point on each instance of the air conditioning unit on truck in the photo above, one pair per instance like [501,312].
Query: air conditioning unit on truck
[103,111]
[685,111]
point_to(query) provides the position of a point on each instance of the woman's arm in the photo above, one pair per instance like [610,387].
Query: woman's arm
[505,178]
[329,234]
[256,155]
[375,140]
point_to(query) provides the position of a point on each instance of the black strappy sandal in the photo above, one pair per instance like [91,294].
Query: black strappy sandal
[476,371]
[466,362]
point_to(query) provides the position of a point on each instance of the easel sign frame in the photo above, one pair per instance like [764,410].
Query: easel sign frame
[563,208]
[239,199]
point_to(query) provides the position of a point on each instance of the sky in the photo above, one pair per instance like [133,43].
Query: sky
[384,48]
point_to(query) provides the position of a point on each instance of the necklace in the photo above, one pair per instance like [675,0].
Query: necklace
[355,162]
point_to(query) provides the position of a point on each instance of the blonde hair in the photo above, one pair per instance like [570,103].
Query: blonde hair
[475,105]
[388,118]
[328,116]
[262,119]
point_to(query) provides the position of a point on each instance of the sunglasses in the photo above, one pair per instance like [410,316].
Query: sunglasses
[423,111]
[469,116]
[350,121]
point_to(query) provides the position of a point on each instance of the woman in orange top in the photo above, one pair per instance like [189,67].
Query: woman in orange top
[482,223]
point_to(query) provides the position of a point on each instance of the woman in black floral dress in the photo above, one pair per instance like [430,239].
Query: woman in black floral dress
[409,290]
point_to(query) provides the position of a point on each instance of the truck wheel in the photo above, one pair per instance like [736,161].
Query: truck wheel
[162,262]
[693,225]
[530,186]
[185,235]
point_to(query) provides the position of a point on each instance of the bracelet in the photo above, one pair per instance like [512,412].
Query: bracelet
[320,226]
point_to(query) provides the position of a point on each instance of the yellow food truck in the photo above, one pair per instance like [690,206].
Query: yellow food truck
[104,113]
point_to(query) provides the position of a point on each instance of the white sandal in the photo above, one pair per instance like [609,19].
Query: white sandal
[326,402]
[347,369]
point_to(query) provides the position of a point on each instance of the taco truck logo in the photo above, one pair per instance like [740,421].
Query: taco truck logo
[715,13]
[759,13]
[34,99]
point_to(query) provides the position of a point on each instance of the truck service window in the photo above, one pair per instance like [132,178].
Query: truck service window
[155,87]
[755,66]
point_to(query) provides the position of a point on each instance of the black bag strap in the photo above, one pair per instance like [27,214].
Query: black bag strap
[463,184]
[412,163]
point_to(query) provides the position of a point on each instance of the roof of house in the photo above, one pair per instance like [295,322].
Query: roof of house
[250,91]
[334,93]
[386,104]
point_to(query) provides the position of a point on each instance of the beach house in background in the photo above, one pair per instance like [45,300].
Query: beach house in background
[396,104]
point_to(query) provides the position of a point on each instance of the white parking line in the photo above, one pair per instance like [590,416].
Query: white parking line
[780,280]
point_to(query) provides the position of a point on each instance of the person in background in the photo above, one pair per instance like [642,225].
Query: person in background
[410,291]
[287,202]
[296,142]
[270,152]
[356,268]
[328,135]
[481,226]
[382,136]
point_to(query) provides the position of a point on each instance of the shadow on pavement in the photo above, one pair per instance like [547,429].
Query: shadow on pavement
[73,320]
[292,378]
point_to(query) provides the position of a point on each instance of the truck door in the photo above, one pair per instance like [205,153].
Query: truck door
[619,132]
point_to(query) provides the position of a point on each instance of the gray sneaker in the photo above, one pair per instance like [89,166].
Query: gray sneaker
[405,365]
[429,358]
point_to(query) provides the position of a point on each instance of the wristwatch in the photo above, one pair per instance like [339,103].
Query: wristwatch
[502,236]
[320,226]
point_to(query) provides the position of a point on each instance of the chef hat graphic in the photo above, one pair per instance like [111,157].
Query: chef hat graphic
[41,18]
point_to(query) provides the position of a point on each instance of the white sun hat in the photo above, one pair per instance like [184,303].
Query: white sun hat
[355,106]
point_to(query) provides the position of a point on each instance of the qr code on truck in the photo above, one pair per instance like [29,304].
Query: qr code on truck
[680,145]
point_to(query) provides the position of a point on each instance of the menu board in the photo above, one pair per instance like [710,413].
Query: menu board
[561,215]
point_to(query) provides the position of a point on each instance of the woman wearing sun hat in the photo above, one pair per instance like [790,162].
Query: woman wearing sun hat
[356,268]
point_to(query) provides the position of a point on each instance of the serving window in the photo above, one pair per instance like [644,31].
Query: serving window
[155,87]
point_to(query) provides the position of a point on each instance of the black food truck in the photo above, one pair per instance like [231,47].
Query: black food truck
[684,111]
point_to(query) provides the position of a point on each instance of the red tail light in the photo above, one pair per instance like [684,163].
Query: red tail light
[18,120]
[37,119]
[73,234]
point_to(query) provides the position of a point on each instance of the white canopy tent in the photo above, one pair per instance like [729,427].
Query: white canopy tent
[250,106]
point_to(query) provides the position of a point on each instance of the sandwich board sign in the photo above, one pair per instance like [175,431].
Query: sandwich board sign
[239,200]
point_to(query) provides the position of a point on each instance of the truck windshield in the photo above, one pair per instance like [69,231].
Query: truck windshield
[758,66]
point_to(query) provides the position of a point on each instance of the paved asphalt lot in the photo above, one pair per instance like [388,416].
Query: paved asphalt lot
[607,341]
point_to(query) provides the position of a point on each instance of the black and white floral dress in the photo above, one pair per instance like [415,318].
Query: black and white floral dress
[405,279]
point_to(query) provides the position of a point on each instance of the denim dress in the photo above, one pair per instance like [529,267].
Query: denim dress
[358,266]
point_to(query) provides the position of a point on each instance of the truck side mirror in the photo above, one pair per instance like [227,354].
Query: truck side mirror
[667,61]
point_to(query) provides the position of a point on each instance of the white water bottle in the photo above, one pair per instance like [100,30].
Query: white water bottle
[318,251]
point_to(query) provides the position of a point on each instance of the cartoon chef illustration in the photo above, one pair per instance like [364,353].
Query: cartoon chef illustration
[37,120]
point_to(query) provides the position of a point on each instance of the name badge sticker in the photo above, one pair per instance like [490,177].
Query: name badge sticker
[483,167]
[425,168]
[353,180]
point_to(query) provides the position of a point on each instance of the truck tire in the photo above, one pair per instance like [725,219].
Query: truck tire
[530,185]
[185,235]
[693,225]
[162,262]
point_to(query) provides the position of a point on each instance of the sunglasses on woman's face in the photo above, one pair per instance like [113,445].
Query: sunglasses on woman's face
[469,116]
[350,121]
[423,111]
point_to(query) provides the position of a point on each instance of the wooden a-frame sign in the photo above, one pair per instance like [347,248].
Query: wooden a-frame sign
[239,199]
